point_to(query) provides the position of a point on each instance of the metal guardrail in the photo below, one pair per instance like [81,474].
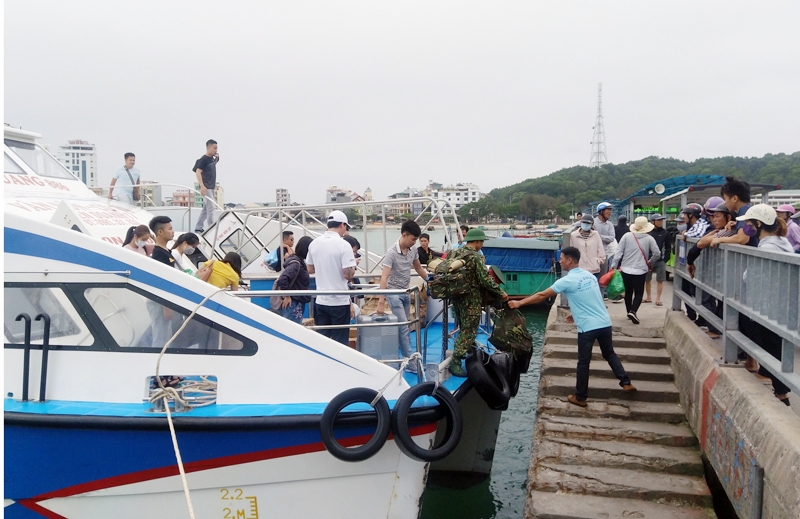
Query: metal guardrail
[416,322]
[302,216]
[761,285]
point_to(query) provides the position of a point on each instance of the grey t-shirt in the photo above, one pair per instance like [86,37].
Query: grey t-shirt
[401,264]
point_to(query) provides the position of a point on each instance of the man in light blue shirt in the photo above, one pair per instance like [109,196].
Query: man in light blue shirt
[125,179]
[590,316]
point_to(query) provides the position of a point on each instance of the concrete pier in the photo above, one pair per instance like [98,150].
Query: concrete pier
[626,454]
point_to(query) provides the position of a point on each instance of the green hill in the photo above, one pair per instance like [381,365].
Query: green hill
[575,187]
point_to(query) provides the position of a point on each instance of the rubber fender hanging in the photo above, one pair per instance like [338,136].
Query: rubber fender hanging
[487,379]
[508,365]
[523,359]
[332,410]
[452,416]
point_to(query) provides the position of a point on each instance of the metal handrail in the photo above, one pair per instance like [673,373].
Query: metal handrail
[281,213]
[387,291]
[729,273]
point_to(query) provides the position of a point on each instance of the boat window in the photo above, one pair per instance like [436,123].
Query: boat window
[66,326]
[11,166]
[135,321]
[39,160]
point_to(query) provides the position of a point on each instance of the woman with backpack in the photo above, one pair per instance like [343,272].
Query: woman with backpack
[636,253]
[294,277]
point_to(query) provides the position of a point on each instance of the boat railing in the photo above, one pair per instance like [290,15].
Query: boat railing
[308,215]
[146,201]
[744,281]
[366,290]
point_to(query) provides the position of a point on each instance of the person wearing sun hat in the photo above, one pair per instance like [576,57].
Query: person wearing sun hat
[786,212]
[635,255]
[762,221]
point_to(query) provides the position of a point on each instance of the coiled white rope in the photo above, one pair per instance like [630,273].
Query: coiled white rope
[166,393]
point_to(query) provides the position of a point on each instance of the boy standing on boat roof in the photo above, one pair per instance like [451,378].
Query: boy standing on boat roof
[125,178]
[591,317]
[206,171]
[332,260]
[468,307]
[396,274]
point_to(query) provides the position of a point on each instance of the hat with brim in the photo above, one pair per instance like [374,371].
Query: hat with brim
[761,212]
[641,225]
[475,235]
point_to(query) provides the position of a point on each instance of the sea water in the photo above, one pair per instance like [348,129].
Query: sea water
[502,494]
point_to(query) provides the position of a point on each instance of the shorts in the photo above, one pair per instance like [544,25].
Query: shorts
[660,270]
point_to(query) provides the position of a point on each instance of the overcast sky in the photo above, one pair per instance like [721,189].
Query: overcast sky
[304,95]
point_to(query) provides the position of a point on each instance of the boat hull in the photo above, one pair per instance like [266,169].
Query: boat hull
[126,468]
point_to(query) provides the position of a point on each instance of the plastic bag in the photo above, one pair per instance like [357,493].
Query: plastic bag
[615,287]
[605,279]
[272,260]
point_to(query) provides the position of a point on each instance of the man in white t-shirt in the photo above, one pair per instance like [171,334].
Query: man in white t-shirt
[331,259]
[125,178]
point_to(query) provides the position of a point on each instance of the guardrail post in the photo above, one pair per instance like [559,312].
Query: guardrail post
[730,317]
[787,356]
[26,355]
[45,352]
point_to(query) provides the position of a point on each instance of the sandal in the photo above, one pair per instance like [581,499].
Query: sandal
[647,301]
[659,303]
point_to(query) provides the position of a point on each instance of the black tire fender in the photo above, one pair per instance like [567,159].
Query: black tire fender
[488,379]
[510,368]
[452,416]
[523,358]
[332,410]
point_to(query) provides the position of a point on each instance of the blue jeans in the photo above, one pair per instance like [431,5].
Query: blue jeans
[324,315]
[294,312]
[585,344]
[401,308]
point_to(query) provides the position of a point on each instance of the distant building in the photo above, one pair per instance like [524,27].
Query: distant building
[151,194]
[458,195]
[182,198]
[282,197]
[780,197]
[80,158]
[334,195]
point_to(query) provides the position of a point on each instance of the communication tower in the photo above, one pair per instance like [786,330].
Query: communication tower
[598,157]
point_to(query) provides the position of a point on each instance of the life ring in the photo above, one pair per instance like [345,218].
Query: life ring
[488,379]
[332,410]
[510,368]
[452,416]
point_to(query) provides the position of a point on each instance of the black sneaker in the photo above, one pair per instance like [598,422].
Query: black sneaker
[632,317]
[199,231]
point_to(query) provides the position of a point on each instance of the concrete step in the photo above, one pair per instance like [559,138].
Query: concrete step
[639,355]
[621,455]
[607,429]
[635,370]
[664,412]
[621,483]
[606,388]
[550,505]
[620,341]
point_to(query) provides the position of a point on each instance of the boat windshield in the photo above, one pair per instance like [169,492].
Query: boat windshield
[39,160]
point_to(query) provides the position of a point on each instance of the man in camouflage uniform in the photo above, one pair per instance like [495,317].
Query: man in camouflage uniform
[468,307]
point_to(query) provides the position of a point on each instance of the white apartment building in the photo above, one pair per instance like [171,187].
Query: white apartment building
[458,195]
[80,158]
[780,197]
[282,197]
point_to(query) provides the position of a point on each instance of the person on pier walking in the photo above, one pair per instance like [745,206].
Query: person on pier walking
[590,316]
